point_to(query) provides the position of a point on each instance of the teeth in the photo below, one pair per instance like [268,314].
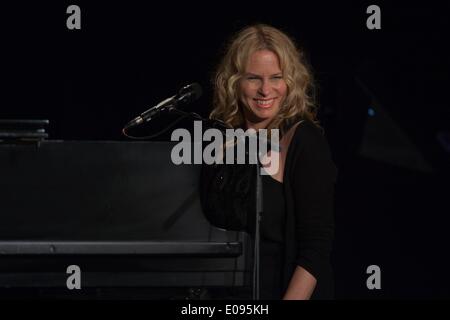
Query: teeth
[264,102]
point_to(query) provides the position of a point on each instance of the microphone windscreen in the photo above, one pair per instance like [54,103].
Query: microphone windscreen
[193,90]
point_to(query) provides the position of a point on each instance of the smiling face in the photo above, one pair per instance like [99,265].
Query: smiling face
[262,88]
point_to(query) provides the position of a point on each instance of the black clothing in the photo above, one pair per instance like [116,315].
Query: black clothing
[273,219]
[309,178]
[271,270]
[272,239]
[307,218]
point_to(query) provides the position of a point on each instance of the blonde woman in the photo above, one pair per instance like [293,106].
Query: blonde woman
[263,82]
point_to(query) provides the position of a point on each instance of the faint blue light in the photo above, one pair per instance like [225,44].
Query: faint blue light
[371,112]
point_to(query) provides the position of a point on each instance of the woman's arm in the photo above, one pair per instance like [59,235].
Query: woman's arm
[312,180]
[301,286]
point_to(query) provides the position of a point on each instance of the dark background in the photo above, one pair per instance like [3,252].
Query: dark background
[382,93]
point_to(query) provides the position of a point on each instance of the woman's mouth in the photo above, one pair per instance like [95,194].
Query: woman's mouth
[264,103]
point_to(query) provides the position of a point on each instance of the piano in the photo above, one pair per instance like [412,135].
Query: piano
[129,218]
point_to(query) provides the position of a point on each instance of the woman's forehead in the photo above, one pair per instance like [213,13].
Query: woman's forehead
[263,60]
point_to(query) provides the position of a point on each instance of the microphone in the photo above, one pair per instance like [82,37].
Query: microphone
[186,95]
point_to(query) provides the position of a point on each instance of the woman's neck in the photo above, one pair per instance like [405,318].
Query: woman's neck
[257,125]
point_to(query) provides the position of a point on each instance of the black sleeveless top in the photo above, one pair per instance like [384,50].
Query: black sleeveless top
[272,222]
[272,239]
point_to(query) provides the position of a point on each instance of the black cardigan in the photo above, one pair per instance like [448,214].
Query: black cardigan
[309,179]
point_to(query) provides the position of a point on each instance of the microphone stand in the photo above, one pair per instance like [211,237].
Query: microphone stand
[259,214]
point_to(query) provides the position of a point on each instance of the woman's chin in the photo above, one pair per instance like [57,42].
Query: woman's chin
[259,115]
[264,114]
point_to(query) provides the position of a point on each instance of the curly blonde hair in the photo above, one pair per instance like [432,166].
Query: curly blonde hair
[299,103]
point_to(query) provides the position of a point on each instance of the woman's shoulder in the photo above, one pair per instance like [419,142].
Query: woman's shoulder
[310,146]
[305,132]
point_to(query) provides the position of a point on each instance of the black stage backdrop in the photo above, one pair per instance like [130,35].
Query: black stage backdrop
[382,94]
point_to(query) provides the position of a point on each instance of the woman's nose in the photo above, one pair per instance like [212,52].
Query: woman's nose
[264,89]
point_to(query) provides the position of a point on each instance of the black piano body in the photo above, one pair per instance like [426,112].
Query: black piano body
[129,218]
